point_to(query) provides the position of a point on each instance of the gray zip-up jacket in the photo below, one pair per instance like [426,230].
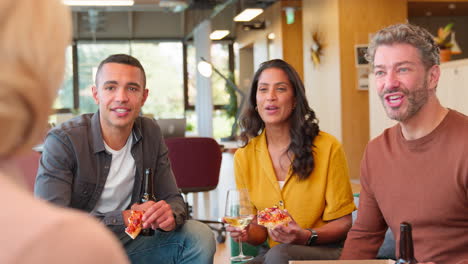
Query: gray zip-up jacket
[74,166]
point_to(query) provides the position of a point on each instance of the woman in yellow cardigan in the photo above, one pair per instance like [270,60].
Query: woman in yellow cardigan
[288,162]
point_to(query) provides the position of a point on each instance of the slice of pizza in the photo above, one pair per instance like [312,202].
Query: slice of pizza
[134,224]
[273,217]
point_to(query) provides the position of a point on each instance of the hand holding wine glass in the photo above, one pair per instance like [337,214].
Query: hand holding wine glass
[239,214]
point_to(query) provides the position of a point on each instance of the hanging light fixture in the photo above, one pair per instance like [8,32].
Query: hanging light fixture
[219,34]
[248,14]
[99,2]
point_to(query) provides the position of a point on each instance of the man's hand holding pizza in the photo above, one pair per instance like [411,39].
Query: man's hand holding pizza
[157,215]
[149,214]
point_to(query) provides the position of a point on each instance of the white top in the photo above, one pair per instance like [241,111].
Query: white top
[118,189]
[281,184]
[34,231]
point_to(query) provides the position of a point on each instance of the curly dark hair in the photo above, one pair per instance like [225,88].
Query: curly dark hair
[304,125]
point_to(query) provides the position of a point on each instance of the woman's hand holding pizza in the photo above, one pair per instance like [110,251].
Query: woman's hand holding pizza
[157,215]
[291,233]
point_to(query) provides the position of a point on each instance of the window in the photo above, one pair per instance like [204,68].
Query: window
[65,94]
[220,59]
[163,62]
[164,73]
[90,54]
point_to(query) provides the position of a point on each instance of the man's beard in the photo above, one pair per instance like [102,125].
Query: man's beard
[416,99]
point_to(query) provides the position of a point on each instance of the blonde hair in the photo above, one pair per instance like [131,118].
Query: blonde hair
[33,38]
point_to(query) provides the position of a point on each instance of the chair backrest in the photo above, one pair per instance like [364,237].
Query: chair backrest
[196,162]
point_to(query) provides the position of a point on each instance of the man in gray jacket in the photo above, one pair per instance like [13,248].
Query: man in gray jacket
[95,163]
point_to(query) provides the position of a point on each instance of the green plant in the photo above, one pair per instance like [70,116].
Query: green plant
[231,108]
[443,37]
[189,127]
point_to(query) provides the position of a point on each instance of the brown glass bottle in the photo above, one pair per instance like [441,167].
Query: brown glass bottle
[148,195]
[406,245]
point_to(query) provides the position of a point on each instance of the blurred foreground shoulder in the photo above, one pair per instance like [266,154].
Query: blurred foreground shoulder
[76,238]
[35,231]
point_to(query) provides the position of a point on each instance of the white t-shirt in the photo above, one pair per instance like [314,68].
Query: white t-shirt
[281,184]
[118,189]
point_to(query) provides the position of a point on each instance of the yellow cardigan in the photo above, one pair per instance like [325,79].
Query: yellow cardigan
[326,195]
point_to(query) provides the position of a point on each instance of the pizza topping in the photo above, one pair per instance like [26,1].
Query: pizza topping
[130,229]
[134,224]
[272,217]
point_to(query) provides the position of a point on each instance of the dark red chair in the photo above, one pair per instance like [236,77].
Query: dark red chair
[196,162]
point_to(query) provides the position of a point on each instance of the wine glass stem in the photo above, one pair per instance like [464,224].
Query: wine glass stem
[241,253]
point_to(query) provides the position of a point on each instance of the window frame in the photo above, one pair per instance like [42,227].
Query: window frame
[187,105]
[231,67]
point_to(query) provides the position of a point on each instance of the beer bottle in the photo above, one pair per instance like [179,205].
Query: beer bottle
[406,245]
[148,195]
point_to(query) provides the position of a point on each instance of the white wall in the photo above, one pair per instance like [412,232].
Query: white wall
[246,68]
[258,38]
[260,52]
[322,83]
[452,90]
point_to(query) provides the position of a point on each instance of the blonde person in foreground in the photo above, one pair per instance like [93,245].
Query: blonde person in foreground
[288,162]
[417,170]
[33,38]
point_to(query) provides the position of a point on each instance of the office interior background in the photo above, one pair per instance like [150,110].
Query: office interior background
[169,37]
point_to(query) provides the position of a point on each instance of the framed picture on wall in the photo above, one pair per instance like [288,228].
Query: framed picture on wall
[363,78]
[360,54]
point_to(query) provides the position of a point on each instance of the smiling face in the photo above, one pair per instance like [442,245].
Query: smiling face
[120,94]
[403,83]
[275,97]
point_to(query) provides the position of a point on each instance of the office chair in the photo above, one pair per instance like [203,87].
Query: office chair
[196,162]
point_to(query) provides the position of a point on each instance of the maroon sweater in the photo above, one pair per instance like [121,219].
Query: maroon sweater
[423,182]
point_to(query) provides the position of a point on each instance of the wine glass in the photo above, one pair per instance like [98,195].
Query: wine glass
[239,213]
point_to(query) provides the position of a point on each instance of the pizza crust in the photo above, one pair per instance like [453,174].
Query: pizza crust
[135,233]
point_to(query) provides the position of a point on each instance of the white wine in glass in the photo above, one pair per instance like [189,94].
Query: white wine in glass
[240,222]
[239,213]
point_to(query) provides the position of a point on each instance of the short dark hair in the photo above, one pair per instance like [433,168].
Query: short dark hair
[122,59]
[415,36]
[304,124]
